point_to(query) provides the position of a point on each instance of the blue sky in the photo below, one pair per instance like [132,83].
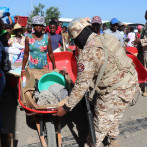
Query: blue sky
[126,10]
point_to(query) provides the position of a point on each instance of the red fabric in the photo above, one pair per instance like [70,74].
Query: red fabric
[58,31]
[138,35]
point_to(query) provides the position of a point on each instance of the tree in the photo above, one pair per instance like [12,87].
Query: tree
[50,12]
[37,11]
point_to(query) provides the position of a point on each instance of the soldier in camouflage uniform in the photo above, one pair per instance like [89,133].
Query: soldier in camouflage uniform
[143,43]
[104,68]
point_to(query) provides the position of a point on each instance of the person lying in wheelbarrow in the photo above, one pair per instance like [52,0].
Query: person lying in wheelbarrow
[108,73]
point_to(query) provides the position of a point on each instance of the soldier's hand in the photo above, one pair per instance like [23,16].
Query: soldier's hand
[60,111]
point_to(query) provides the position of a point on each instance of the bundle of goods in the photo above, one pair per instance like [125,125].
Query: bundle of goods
[4,11]
[14,53]
[53,95]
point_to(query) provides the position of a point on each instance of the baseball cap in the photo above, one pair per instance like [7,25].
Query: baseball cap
[139,27]
[96,19]
[114,20]
[121,24]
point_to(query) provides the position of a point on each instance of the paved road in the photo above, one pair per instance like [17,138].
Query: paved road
[133,128]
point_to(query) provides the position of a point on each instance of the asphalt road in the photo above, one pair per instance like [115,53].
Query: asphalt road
[133,127]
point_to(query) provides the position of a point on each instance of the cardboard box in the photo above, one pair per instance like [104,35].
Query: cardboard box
[27,92]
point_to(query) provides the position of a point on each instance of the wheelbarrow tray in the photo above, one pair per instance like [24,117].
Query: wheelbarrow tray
[142,72]
[132,50]
[26,99]
[65,61]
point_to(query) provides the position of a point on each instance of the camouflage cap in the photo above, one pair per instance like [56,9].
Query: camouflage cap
[76,26]
[37,20]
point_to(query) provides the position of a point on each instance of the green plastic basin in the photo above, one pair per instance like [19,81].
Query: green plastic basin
[49,79]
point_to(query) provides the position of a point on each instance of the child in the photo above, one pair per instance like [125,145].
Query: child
[55,38]
[131,36]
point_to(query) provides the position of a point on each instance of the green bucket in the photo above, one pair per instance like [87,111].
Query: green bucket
[49,79]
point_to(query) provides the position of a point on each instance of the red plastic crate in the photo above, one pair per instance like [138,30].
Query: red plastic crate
[22,20]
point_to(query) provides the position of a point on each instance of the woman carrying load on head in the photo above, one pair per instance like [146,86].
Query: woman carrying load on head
[37,45]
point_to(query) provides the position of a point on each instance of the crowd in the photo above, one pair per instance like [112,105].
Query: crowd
[100,54]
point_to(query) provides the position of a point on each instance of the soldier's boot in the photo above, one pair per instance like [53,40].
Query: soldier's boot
[114,142]
[106,141]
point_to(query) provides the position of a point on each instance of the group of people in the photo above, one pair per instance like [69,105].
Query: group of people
[125,34]
[33,42]
[107,73]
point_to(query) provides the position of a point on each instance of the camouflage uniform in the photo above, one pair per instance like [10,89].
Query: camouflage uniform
[108,107]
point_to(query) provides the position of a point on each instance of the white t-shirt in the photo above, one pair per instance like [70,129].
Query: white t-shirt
[115,34]
[131,36]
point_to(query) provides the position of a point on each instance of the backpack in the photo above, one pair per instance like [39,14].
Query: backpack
[114,50]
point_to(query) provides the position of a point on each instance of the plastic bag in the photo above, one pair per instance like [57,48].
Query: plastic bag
[5,11]
[14,53]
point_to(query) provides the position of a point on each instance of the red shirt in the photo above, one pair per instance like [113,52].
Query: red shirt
[138,35]
[58,31]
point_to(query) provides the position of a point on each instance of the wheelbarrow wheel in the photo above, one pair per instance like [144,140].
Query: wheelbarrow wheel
[50,135]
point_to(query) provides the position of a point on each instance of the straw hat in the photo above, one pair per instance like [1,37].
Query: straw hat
[17,26]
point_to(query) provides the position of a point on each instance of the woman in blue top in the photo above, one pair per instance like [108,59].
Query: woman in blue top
[37,45]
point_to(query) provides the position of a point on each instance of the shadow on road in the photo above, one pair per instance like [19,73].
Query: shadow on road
[77,117]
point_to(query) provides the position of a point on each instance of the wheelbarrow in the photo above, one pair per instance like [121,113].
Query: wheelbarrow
[65,61]
[142,72]
[48,127]
[132,50]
